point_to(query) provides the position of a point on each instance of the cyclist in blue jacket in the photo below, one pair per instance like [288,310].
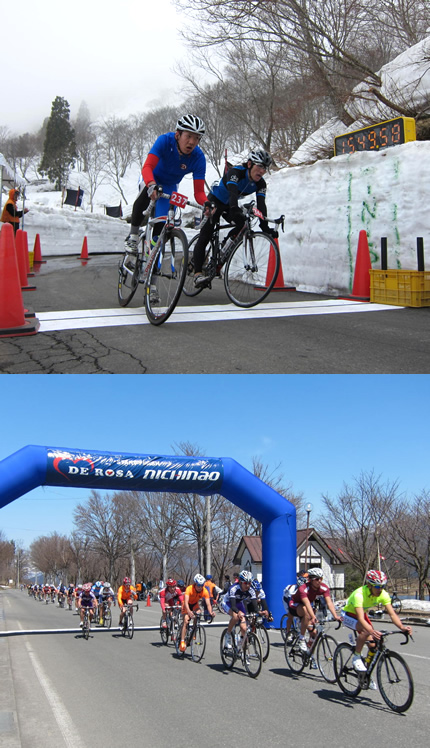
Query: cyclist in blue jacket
[172,156]
[239,181]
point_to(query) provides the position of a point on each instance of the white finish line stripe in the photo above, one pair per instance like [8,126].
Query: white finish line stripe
[80,319]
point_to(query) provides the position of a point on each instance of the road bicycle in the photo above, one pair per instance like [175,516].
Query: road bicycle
[320,650]
[251,261]
[106,615]
[195,637]
[169,628]
[86,624]
[392,673]
[248,651]
[127,628]
[159,265]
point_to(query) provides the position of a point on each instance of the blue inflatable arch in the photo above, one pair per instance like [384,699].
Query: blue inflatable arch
[34,466]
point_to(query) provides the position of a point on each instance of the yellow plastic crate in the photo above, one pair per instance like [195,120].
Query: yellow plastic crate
[400,287]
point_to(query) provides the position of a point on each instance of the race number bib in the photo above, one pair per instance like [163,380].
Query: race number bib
[178,200]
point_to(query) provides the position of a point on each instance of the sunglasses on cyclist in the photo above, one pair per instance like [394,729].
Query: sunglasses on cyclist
[378,586]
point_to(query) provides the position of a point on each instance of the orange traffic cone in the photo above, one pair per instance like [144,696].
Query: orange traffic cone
[37,251]
[84,251]
[279,282]
[22,261]
[361,283]
[148,602]
[12,318]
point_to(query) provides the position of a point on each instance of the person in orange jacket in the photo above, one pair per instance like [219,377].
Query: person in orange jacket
[10,213]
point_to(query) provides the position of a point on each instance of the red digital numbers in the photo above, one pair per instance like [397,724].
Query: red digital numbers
[383,136]
[361,140]
[351,144]
[179,200]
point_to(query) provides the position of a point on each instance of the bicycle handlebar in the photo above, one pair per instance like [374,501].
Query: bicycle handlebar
[406,635]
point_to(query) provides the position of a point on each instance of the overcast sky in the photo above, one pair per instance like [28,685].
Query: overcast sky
[110,54]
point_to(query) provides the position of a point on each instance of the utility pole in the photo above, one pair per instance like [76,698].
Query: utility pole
[308,508]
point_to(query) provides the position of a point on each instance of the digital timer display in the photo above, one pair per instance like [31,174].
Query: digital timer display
[375,137]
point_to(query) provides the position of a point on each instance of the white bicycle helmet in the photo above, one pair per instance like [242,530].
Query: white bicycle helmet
[191,123]
[260,157]
[316,573]
[245,576]
[199,580]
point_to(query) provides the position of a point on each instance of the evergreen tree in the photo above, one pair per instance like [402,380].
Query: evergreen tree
[59,150]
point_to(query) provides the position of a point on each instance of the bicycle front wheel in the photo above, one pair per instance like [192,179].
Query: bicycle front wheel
[326,648]
[189,288]
[198,643]
[346,677]
[227,654]
[164,630]
[263,638]
[283,626]
[130,627]
[251,270]
[107,620]
[395,681]
[128,272]
[166,277]
[252,657]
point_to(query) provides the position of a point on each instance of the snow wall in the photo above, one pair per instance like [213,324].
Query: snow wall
[34,466]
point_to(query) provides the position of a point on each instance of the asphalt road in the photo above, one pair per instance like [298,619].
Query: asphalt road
[58,690]
[83,330]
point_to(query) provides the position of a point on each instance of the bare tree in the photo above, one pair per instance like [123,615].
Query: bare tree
[354,519]
[410,537]
[51,555]
[98,520]
[116,139]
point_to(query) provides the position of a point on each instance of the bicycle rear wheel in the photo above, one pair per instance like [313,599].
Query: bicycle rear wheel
[251,270]
[227,655]
[346,677]
[252,657]
[198,643]
[395,681]
[166,277]
[128,272]
[294,656]
[189,288]
[326,648]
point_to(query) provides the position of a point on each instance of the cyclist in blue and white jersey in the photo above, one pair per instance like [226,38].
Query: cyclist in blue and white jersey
[240,599]
[172,156]
[261,600]
[97,590]
[239,181]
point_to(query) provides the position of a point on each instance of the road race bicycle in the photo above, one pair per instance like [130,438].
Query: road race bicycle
[159,265]
[127,627]
[86,623]
[248,652]
[169,628]
[258,628]
[392,673]
[319,654]
[251,261]
[195,637]
[105,618]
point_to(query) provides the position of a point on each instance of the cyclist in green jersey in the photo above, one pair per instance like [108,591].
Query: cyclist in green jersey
[354,614]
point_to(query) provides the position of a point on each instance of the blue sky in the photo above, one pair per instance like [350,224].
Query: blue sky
[323,430]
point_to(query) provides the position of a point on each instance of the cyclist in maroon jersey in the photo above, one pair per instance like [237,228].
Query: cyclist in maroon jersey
[301,603]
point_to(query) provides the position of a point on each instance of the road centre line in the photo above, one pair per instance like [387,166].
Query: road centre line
[80,319]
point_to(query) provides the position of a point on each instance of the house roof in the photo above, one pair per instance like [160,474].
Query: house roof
[253,544]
